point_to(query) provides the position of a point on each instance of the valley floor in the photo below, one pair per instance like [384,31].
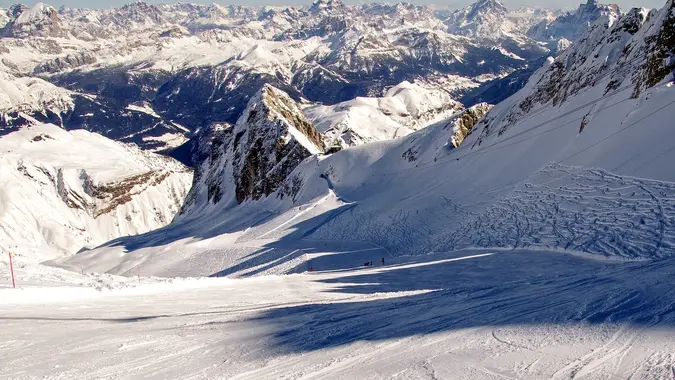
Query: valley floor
[463,315]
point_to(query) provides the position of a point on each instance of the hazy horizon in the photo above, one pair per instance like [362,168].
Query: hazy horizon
[554,4]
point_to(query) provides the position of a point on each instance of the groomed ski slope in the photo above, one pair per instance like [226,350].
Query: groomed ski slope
[467,315]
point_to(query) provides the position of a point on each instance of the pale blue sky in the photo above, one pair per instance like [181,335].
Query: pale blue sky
[625,4]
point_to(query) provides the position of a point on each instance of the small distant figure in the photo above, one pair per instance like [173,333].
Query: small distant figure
[366,264]
[310,268]
[383,261]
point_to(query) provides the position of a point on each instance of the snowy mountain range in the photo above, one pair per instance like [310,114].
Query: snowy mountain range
[390,191]
[251,96]
[154,75]
[561,164]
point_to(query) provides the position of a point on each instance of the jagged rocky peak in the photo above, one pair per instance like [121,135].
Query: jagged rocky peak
[324,6]
[252,159]
[271,138]
[572,25]
[142,13]
[483,19]
[41,20]
[487,6]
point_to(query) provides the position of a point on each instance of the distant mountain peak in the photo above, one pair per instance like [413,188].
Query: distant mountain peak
[488,4]
[39,20]
[325,5]
[484,19]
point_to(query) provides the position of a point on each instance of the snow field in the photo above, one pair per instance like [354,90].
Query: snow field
[472,314]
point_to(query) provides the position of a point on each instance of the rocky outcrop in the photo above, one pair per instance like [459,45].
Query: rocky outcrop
[463,124]
[659,48]
[271,139]
[253,158]
[65,62]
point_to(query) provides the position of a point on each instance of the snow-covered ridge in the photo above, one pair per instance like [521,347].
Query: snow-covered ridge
[615,56]
[405,108]
[26,94]
[62,191]
[200,64]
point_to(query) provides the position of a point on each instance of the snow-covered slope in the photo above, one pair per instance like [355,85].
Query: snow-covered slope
[24,97]
[61,191]
[405,108]
[577,160]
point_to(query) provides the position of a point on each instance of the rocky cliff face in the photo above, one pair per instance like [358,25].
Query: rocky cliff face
[41,21]
[253,158]
[463,124]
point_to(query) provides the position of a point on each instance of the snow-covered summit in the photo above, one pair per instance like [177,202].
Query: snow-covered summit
[573,24]
[40,20]
[405,108]
[484,19]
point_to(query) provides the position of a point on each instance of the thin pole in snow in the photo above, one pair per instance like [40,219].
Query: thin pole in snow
[11,269]
[138,272]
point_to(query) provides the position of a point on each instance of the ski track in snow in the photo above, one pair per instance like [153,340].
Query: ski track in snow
[466,315]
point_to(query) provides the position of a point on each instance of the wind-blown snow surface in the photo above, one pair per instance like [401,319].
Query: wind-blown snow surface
[467,315]
[61,191]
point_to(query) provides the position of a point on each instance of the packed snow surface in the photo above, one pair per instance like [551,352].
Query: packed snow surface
[479,314]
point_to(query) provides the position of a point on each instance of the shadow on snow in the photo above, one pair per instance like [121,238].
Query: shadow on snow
[508,288]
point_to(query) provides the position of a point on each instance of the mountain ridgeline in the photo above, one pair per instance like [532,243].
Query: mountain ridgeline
[155,75]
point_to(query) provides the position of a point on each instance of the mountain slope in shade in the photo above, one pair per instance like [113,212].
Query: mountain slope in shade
[62,191]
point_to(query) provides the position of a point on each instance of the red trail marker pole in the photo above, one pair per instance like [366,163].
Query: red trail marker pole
[11,269]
